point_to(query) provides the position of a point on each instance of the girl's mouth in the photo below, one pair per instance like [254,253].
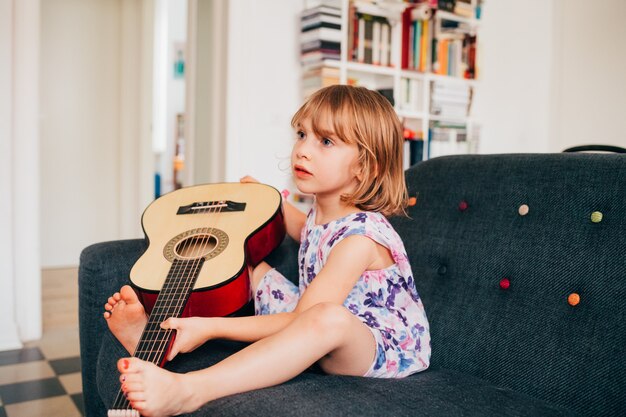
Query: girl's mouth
[301,172]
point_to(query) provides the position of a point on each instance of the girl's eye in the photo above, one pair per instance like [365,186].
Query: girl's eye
[300,134]
[327,142]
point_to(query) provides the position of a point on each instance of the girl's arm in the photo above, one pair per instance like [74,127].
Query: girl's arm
[294,218]
[345,265]
[191,332]
[331,285]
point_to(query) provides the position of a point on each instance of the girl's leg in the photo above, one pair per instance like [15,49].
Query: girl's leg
[327,331]
[256,275]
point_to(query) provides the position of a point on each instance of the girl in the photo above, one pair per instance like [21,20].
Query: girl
[356,310]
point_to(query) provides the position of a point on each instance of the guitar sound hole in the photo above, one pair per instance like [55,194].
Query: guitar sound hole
[195,247]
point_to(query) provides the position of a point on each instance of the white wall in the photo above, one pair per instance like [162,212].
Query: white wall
[590,80]
[263,88]
[80,97]
[513,96]
[551,75]
[92,140]
[9,338]
[20,298]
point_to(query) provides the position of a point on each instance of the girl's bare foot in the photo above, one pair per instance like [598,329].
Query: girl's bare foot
[153,391]
[125,317]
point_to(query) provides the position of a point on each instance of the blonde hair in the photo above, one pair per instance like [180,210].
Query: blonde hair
[365,117]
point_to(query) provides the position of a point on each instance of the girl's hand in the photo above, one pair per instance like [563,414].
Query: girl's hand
[191,332]
[248,178]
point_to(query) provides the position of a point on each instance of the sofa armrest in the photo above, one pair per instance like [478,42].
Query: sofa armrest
[103,269]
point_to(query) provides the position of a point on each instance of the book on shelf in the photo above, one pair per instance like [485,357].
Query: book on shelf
[369,35]
[320,35]
[388,94]
[413,146]
[450,99]
[464,8]
[410,95]
[315,78]
[316,19]
[454,48]
[448,139]
[325,8]
[446,5]
[417,31]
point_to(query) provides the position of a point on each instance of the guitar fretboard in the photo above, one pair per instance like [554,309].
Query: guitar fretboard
[171,302]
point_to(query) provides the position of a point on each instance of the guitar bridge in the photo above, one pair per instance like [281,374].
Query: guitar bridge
[211,207]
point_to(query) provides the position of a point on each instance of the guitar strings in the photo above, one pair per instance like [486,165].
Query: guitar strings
[182,278]
[200,248]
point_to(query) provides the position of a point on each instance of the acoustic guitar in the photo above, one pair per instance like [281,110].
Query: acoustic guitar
[202,239]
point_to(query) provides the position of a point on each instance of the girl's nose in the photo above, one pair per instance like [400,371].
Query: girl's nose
[302,149]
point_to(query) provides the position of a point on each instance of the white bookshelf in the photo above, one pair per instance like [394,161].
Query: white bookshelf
[371,76]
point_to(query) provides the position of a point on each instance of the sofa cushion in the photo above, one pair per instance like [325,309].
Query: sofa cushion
[431,393]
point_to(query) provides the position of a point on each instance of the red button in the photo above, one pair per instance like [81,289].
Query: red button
[505,283]
[463,205]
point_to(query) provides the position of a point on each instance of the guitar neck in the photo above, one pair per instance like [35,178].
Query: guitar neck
[154,342]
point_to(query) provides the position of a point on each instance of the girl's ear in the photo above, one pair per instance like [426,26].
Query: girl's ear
[358,172]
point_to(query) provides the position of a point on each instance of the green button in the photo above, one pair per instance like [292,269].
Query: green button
[596,217]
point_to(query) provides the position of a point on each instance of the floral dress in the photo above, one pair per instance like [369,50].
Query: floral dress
[385,300]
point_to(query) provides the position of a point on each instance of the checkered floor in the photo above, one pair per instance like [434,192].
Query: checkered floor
[32,385]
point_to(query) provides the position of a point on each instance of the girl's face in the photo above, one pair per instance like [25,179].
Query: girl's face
[324,166]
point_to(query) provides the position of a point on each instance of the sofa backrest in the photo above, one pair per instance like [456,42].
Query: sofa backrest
[470,235]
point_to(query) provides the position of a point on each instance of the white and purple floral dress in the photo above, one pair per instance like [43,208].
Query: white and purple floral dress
[385,300]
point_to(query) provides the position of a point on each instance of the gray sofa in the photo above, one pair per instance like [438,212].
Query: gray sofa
[497,350]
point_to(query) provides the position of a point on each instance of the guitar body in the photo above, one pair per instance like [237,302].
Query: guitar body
[193,225]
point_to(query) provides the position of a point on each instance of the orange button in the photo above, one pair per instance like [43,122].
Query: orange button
[573,299]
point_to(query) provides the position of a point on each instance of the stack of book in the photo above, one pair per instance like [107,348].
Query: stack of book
[450,100]
[410,95]
[316,78]
[448,139]
[321,35]
[464,8]
[369,35]
[454,48]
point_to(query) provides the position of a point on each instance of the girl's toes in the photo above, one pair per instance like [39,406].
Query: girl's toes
[138,405]
[135,396]
[130,366]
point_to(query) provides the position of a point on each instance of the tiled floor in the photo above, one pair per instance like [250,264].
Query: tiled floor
[43,378]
